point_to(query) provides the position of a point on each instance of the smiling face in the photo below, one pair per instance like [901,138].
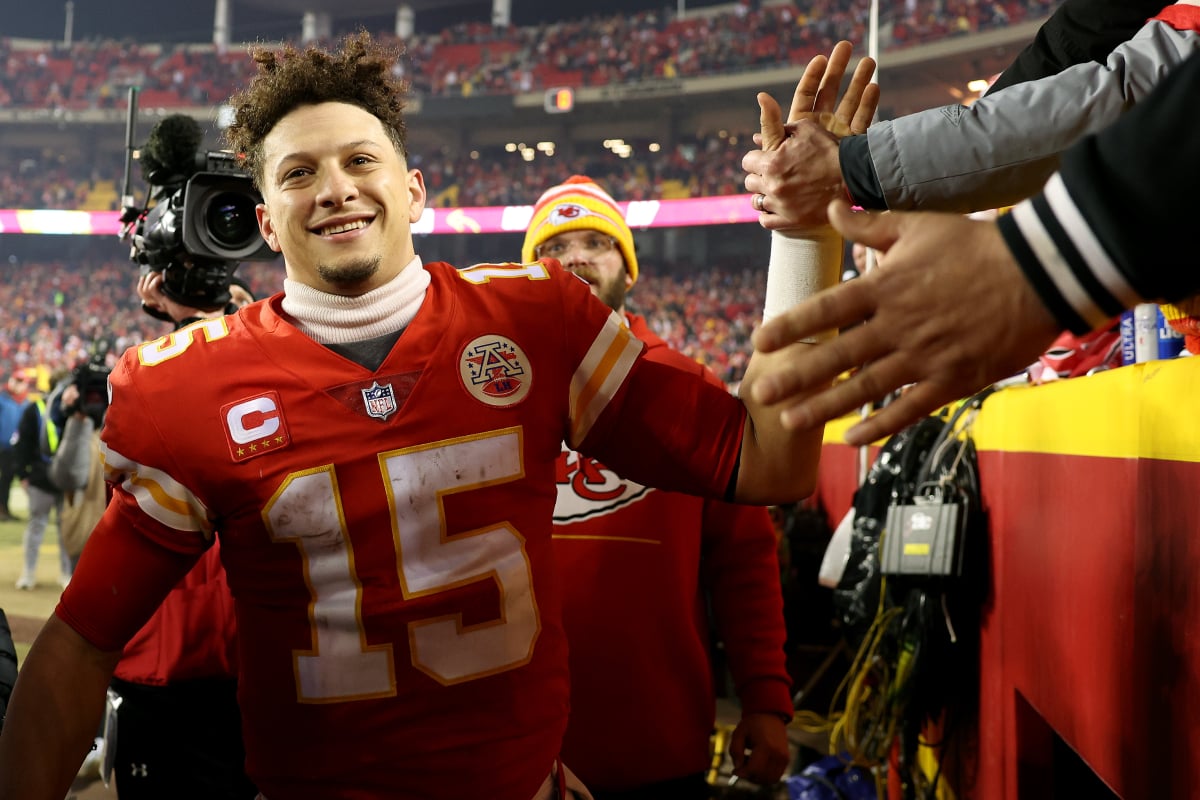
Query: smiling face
[339,200]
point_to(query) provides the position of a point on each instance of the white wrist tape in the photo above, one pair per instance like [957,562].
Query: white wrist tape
[803,262]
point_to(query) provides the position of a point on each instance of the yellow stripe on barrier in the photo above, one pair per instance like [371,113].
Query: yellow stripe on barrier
[1140,411]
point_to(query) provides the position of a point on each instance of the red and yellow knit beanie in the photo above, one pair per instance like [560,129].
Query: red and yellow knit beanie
[579,204]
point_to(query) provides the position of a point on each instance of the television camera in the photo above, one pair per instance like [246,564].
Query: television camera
[91,379]
[198,221]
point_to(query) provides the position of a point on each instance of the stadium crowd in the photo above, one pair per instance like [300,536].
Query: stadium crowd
[707,314]
[58,181]
[696,167]
[701,166]
[57,309]
[478,58]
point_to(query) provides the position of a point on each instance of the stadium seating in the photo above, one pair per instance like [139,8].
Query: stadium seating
[485,60]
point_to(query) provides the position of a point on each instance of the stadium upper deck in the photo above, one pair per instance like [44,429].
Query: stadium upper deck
[646,75]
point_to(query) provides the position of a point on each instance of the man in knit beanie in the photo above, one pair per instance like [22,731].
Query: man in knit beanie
[579,224]
[642,702]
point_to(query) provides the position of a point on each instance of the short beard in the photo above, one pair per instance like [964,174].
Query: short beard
[613,294]
[350,273]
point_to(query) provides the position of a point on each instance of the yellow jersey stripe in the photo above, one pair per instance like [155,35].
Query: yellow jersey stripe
[160,496]
[600,374]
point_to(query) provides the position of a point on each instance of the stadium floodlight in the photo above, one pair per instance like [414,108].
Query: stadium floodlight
[559,100]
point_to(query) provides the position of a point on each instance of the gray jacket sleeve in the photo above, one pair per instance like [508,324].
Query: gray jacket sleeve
[72,460]
[1003,148]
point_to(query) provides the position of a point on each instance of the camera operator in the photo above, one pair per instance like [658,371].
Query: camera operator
[158,304]
[173,697]
[172,726]
[13,397]
[76,469]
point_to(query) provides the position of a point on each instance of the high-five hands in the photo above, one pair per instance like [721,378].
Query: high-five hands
[947,311]
[796,171]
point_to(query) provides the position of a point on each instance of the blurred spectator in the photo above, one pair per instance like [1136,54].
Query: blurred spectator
[37,441]
[643,660]
[12,404]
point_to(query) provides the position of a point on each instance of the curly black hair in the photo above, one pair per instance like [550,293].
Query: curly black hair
[358,73]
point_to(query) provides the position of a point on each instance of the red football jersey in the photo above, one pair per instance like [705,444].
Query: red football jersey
[386,534]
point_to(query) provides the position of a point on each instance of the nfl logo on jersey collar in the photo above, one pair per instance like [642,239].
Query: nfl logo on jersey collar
[495,371]
[380,401]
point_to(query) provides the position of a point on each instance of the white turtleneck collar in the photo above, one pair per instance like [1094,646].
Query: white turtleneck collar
[334,319]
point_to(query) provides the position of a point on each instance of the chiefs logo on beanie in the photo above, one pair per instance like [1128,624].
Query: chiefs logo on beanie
[579,204]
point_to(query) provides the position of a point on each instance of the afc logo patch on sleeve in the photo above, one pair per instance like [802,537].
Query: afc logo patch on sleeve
[255,426]
[495,370]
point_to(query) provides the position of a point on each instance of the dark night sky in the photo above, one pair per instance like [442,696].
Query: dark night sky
[192,20]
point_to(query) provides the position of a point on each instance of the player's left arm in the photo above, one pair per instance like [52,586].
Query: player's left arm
[740,568]
[663,427]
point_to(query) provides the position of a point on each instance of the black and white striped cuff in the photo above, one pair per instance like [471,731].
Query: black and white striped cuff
[1065,261]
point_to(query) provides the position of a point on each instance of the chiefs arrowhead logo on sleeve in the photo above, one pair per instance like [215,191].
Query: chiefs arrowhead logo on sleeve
[588,489]
[495,371]
[255,426]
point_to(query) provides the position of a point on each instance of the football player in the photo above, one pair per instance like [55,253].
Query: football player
[376,449]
